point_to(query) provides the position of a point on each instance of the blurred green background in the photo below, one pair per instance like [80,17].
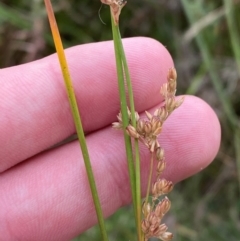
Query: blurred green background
[204,39]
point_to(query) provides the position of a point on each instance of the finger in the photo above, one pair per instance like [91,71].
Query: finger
[34,109]
[48,197]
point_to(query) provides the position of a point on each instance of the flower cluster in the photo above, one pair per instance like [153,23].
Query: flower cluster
[153,212]
[147,131]
[151,224]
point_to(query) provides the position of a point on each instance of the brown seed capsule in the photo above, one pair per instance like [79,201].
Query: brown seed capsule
[158,231]
[172,74]
[162,114]
[165,204]
[140,126]
[119,117]
[137,116]
[170,104]
[161,186]
[178,102]
[147,127]
[160,153]
[164,91]
[156,123]
[131,131]
[162,228]
[161,167]
[145,226]
[167,236]
[152,146]
[117,125]
[153,220]
[146,209]
[172,85]
[157,131]
[150,225]
[149,116]
[162,208]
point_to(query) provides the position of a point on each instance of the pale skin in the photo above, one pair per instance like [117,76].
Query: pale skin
[45,194]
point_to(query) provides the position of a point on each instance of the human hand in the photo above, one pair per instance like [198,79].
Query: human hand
[45,194]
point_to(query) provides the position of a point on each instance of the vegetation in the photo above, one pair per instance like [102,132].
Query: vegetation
[204,39]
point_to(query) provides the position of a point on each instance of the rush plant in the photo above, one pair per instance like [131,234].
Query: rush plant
[149,212]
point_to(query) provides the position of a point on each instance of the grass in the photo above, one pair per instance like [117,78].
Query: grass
[208,66]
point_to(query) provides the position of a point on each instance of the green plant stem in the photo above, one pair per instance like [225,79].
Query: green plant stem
[134,173]
[76,116]
[136,144]
[233,31]
[138,189]
[237,151]
[123,103]
[196,81]
[235,41]
[149,178]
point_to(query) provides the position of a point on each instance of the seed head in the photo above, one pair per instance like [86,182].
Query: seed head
[161,186]
[151,226]
[131,131]
[162,207]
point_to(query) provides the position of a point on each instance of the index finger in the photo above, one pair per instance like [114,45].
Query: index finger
[34,109]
